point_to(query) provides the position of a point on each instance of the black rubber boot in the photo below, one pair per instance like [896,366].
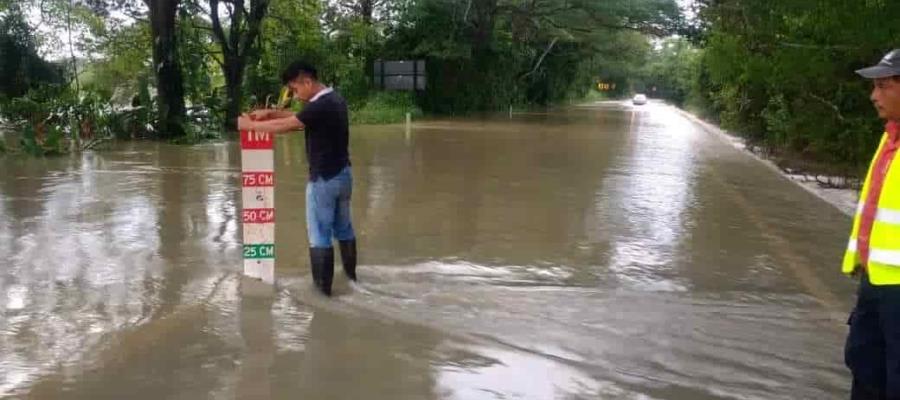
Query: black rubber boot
[348,257]
[322,263]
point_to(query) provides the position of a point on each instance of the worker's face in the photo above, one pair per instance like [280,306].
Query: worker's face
[303,88]
[886,98]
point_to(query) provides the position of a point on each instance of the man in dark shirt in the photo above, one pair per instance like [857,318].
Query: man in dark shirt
[325,123]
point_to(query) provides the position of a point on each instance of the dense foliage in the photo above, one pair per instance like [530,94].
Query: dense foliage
[780,73]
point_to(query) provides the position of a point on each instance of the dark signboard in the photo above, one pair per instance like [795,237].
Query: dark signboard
[400,75]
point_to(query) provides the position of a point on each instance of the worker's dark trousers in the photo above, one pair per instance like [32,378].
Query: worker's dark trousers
[872,351]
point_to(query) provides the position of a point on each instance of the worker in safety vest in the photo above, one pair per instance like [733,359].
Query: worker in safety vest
[872,351]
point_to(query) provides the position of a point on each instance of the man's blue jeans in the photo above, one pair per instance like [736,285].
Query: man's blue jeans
[328,209]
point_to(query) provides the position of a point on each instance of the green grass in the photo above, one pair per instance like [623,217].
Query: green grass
[385,108]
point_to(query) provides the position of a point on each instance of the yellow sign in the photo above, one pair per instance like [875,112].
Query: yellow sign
[603,86]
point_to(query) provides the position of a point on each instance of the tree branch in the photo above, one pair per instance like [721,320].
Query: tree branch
[230,10]
[818,47]
[204,28]
[215,56]
[243,9]
[466,14]
[217,24]
[136,17]
[837,110]
[541,60]
[204,11]
[236,26]
[258,10]
[72,47]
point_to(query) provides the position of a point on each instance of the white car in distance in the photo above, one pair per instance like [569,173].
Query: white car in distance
[639,99]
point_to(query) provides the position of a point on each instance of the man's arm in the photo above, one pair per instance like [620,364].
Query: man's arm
[282,114]
[267,114]
[278,125]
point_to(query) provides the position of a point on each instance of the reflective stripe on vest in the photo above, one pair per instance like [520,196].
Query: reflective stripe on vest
[888,216]
[890,257]
[884,240]
[883,215]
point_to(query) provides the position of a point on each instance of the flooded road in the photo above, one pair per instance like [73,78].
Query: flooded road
[599,251]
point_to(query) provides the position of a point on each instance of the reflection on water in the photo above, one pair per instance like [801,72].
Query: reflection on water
[601,251]
[493,373]
[648,196]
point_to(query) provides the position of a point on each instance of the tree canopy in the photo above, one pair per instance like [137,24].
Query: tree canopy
[778,72]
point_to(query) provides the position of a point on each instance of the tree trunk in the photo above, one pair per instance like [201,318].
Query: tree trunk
[238,49]
[234,79]
[169,83]
[483,24]
[366,9]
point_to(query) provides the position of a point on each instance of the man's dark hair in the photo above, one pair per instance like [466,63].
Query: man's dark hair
[296,69]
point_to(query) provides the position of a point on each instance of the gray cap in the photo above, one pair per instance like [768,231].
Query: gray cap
[887,67]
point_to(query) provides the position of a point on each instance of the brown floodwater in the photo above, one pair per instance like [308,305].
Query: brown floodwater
[599,251]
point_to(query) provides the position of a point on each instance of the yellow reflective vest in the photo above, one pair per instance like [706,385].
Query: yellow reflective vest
[884,243]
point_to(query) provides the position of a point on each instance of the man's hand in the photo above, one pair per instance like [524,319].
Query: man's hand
[262,114]
[245,123]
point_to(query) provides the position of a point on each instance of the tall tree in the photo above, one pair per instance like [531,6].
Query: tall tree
[360,18]
[292,29]
[364,9]
[169,81]
[488,54]
[21,68]
[781,73]
[239,46]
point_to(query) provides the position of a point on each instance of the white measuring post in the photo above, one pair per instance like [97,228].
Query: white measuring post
[258,204]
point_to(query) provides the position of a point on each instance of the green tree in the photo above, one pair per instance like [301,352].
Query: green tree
[291,30]
[21,68]
[239,45]
[782,73]
[167,67]
[487,54]
[671,71]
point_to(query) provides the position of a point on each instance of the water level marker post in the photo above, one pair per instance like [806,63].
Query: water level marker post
[258,204]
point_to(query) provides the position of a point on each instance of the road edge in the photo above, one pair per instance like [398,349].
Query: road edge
[830,196]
